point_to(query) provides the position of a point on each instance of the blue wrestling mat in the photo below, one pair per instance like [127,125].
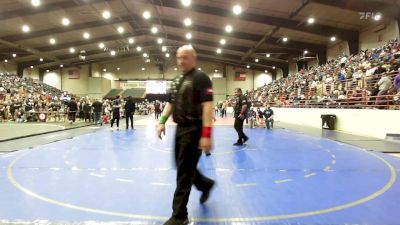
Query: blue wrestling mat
[278,177]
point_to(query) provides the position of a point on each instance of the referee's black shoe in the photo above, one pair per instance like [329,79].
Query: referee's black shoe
[239,143]
[204,196]
[245,139]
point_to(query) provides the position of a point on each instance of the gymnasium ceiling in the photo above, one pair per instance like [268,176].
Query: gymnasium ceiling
[259,29]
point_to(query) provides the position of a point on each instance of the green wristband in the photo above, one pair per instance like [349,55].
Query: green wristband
[163,119]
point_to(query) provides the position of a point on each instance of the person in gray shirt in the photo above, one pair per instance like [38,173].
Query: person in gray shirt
[384,84]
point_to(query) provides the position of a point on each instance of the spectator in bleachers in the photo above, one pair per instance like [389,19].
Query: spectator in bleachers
[396,82]
[384,84]
[321,85]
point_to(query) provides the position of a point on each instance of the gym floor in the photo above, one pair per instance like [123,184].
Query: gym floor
[281,176]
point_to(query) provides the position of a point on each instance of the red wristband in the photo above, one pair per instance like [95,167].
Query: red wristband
[206,132]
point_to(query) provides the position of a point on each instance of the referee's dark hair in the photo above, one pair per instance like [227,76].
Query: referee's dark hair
[239,90]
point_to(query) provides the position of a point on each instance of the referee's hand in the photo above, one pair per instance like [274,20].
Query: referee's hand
[205,144]
[160,130]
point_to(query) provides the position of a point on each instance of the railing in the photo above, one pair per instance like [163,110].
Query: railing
[370,102]
[352,97]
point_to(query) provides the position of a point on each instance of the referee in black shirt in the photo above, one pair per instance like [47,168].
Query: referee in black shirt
[191,102]
[240,116]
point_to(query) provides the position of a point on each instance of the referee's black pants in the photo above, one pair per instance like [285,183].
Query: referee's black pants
[187,155]
[239,129]
[128,117]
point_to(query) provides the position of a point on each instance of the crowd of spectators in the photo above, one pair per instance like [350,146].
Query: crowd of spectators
[365,80]
[21,98]
[370,79]
[28,100]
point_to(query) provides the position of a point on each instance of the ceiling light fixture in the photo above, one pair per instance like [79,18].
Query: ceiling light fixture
[228,28]
[131,40]
[222,41]
[106,14]
[86,35]
[187,22]
[310,20]
[113,53]
[26,28]
[121,30]
[160,41]
[186,3]
[65,21]
[138,48]
[188,36]
[154,30]
[101,45]
[146,15]
[237,9]
[35,3]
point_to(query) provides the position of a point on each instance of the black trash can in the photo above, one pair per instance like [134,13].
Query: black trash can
[328,121]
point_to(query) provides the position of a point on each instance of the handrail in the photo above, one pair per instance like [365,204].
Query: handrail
[362,100]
